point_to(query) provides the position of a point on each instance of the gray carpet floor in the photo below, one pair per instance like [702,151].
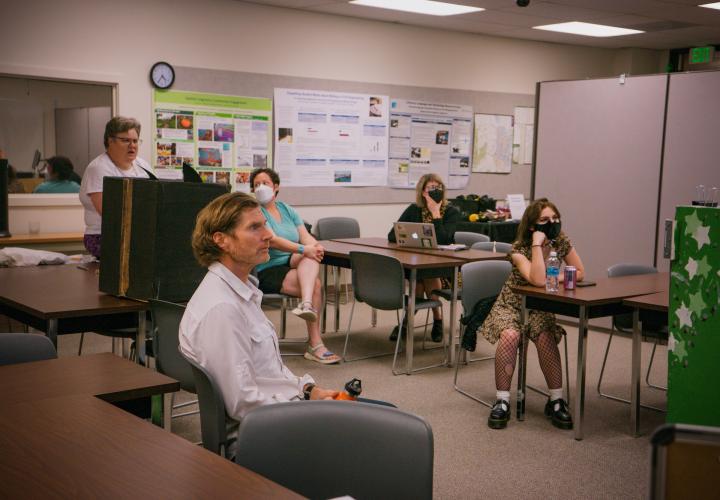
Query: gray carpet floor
[529,459]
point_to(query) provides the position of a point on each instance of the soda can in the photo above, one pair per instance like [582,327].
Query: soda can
[570,277]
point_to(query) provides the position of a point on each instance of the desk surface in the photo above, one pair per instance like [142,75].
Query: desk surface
[81,447]
[469,255]
[409,260]
[654,301]
[106,376]
[65,291]
[32,239]
[607,290]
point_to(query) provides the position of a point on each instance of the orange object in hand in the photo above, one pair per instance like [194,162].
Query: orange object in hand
[351,392]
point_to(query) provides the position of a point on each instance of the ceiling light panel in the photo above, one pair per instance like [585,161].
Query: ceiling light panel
[428,7]
[587,29]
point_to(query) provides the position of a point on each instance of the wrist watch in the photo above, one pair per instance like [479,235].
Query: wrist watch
[301,249]
[307,390]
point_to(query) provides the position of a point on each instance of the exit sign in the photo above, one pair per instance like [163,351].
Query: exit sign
[700,55]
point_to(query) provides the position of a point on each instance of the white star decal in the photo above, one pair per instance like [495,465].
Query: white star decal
[683,315]
[702,236]
[691,268]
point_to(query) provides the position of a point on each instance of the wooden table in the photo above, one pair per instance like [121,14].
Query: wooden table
[338,254]
[65,299]
[468,255]
[653,306]
[59,441]
[58,242]
[604,299]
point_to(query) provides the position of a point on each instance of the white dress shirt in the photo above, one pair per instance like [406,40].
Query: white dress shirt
[225,331]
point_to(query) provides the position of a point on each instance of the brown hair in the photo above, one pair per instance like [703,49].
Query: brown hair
[118,124]
[530,218]
[420,187]
[220,215]
[274,177]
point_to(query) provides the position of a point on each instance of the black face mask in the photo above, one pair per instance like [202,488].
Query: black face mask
[436,195]
[551,229]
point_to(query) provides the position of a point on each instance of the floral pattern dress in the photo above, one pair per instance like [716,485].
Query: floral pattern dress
[505,314]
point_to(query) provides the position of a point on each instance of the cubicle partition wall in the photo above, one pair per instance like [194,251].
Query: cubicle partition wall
[692,144]
[598,157]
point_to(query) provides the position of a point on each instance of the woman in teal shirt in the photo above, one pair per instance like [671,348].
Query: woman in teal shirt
[294,263]
[59,176]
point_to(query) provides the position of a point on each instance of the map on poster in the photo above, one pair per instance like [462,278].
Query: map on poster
[429,137]
[222,137]
[493,144]
[327,138]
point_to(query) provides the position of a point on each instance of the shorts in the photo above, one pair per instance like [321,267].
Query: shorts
[271,278]
[92,244]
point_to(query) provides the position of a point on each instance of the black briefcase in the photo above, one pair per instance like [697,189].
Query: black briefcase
[147,228]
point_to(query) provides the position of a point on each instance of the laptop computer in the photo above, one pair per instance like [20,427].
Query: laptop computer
[415,234]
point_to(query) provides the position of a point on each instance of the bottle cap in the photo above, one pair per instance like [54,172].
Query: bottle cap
[553,254]
[354,387]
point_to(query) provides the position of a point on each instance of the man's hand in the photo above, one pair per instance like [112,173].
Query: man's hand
[318,393]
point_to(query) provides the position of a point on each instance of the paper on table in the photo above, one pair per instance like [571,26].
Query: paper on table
[516,203]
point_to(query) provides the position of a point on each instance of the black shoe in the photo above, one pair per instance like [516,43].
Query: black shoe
[437,330]
[394,334]
[561,417]
[499,415]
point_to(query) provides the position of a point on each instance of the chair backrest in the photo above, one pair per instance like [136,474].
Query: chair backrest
[329,228]
[493,246]
[327,449]
[377,280]
[213,418]
[624,321]
[166,318]
[684,461]
[24,347]
[483,279]
[469,238]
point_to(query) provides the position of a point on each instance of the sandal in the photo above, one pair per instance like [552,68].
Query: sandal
[306,311]
[326,358]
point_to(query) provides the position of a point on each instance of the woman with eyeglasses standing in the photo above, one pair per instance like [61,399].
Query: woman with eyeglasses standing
[539,233]
[122,141]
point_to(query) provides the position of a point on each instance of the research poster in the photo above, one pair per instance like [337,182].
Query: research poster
[493,144]
[222,137]
[429,137]
[524,130]
[327,138]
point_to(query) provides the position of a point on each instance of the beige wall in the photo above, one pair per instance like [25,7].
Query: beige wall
[106,41]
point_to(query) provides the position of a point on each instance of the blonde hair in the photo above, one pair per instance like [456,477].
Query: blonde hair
[420,187]
[222,215]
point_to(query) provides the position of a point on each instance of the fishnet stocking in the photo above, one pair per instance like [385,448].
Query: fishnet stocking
[505,357]
[549,358]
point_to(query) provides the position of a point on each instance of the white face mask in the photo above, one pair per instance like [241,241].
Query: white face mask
[264,194]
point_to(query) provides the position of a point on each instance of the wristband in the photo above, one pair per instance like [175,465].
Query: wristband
[301,249]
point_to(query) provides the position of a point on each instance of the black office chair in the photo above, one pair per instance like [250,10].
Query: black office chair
[285,302]
[168,360]
[366,450]
[624,323]
[25,347]
[214,421]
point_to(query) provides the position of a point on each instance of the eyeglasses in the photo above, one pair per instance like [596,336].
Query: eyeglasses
[126,141]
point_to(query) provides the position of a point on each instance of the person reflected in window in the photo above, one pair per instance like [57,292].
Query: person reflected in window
[58,177]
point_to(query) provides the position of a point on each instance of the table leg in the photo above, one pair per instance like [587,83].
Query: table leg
[337,299]
[323,317]
[451,333]
[373,318]
[635,382]
[167,411]
[580,379]
[409,340]
[140,339]
[522,364]
[52,331]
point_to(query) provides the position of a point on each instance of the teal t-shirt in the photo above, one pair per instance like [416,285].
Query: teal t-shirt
[285,228]
[58,187]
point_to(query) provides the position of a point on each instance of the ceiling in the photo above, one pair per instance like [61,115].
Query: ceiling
[668,24]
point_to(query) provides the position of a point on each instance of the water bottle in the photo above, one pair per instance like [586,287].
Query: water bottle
[353,389]
[552,273]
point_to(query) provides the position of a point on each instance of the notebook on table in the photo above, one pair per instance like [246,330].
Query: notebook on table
[420,235]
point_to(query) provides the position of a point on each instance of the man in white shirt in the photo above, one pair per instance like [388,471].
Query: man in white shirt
[224,329]
[122,141]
